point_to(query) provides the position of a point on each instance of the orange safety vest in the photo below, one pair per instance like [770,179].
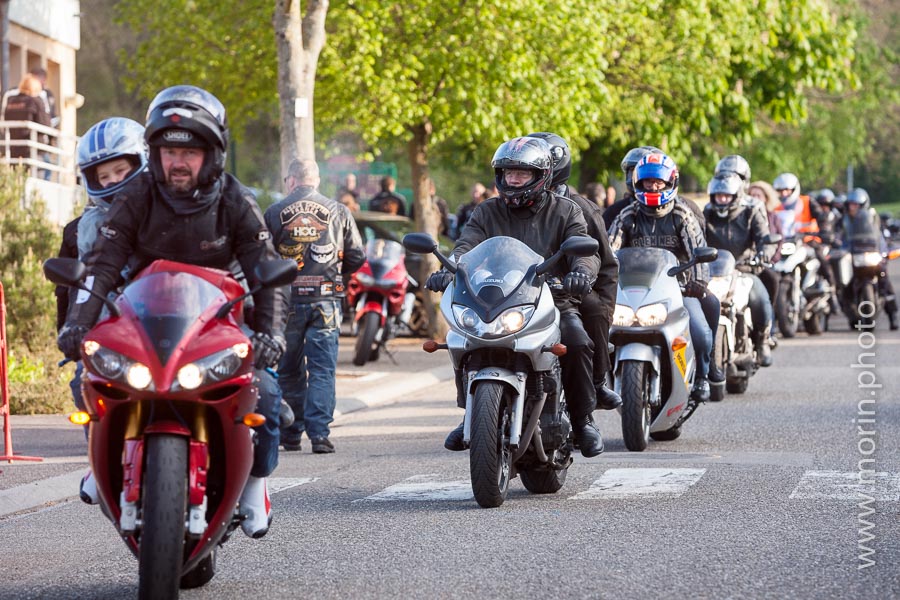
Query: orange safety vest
[806,223]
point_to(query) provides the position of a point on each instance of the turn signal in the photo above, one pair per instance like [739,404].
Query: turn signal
[555,349]
[679,343]
[430,346]
[895,253]
[253,419]
[79,418]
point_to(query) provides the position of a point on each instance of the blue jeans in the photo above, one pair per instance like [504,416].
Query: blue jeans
[701,335]
[307,370]
[268,435]
[75,386]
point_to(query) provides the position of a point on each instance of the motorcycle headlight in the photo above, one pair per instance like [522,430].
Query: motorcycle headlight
[510,321]
[788,248]
[719,286]
[117,367]
[210,369]
[652,314]
[623,316]
[867,259]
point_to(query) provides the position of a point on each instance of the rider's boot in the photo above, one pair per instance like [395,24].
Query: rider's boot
[763,351]
[700,391]
[607,399]
[890,307]
[87,490]
[454,440]
[587,436]
[256,508]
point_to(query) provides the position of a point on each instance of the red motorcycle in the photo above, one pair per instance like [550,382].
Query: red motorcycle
[168,385]
[379,296]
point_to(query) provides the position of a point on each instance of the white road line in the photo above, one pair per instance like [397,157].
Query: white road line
[425,488]
[840,485]
[37,493]
[280,484]
[623,483]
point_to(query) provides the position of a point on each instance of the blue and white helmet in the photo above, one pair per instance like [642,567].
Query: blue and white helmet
[116,137]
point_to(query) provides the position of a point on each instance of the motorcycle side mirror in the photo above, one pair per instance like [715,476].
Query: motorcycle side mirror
[422,243]
[71,272]
[772,238]
[578,245]
[269,273]
[705,254]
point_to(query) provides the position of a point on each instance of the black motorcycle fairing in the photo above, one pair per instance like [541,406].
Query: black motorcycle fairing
[640,267]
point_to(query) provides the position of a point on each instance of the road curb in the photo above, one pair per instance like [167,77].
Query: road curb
[388,388]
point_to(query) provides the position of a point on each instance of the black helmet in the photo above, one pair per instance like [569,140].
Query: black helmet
[561,155]
[728,183]
[527,153]
[858,196]
[631,160]
[185,115]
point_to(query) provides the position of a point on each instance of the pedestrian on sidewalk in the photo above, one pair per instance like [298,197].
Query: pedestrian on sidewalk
[321,235]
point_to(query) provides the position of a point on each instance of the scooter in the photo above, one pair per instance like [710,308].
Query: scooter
[168,386]
[504,342]
[379,292]
[654,358]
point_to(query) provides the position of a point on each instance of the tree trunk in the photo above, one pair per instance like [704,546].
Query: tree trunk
[427,218]
[300,41]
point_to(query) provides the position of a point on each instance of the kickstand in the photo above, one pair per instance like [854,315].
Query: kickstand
[390,354]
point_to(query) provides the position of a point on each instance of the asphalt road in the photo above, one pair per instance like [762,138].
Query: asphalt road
[759,498]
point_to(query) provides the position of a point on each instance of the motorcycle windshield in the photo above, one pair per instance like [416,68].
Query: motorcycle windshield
[640,267]
[383,255]
[495,275]
[723,265]
[167,304]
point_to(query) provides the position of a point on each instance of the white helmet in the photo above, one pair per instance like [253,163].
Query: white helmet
[116,137]
[787,181]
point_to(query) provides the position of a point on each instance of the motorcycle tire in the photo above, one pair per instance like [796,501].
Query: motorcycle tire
[813,324]
[673,433]
[543,482]
[737,385]
[164,512]
[490,457]
[717,391]
[866,294]
[365,340]
[201,574]
[635,405]
[786,315]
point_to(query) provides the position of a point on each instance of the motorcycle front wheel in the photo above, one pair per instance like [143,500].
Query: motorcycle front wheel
[786,311]
[490,457]
[717,391]
[635,405]
[866,296]
[164,508]
[365,339]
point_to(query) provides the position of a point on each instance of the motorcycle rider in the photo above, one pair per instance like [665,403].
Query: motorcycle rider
[799,214]
[733,223]
[660,219]
[597,306]
[189,210]
[527,210]
[110,154]
[861,226]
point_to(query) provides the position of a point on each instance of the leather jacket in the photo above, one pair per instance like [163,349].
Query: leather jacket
[144,225]
[321,235]
[741,232]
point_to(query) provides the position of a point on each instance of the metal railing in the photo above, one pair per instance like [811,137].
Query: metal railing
[53,161]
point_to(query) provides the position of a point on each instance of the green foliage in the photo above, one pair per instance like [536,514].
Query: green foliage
[26,239]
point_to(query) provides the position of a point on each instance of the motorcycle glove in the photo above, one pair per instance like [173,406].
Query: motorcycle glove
[695,289]
[69,340]
[439,280]
[267,349]
[577,284]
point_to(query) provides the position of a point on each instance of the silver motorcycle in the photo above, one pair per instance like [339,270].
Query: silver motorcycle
[504,342]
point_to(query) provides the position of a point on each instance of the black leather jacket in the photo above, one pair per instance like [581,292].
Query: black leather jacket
[144,226]
[678,232]
[321,235]
[741,232]
[543,227]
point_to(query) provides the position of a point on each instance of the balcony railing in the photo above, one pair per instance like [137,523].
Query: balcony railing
[54,161]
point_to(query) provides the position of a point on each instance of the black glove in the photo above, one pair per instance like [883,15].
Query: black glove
[267,350]
[695,289]
[69,340]
[577,284]
[439,280]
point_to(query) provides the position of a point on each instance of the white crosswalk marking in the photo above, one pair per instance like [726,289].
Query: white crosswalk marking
[279,484]
[853,485]
[426,488]
[622,483]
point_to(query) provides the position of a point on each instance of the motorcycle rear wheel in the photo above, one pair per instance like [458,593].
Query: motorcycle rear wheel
[164,508]
[201,574]
[737,385]
[543,482]
[787,315]
[717,391]
[490,457]
[365,339]
[635,405]
[813,324]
